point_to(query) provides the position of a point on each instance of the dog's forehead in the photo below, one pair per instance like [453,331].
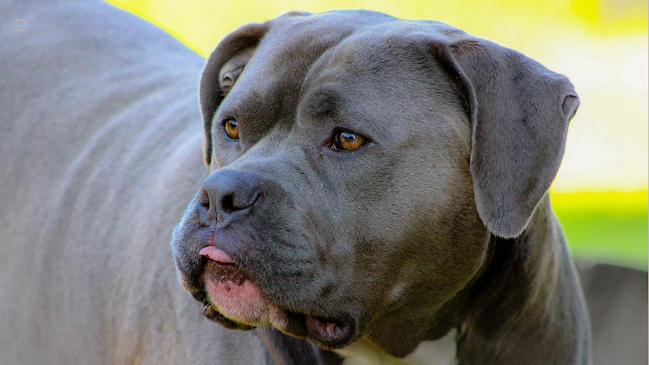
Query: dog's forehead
[291,45]
[296,46]
[295,41]
[302,38]
[328,26]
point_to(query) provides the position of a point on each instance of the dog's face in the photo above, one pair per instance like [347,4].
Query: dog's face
[349,185]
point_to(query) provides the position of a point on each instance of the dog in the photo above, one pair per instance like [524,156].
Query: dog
[378,185]
[376,192]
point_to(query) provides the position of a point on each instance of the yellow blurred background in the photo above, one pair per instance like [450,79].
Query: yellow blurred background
[600,194]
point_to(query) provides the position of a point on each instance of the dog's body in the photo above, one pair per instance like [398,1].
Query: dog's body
[101,154]
[110,108]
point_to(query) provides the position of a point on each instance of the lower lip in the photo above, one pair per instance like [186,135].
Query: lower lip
[234,296]
[235,287]
[330,333]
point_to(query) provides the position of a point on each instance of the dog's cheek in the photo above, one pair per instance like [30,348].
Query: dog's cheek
[426,226]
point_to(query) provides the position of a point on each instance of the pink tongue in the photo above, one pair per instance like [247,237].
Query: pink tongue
[215,254]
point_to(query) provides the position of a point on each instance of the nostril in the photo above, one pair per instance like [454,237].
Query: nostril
[204,199]
[227,204]
[234,202]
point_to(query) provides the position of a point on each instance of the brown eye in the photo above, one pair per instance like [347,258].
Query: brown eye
[348,141]
[231,128]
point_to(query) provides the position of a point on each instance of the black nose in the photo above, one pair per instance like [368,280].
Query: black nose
[227,192]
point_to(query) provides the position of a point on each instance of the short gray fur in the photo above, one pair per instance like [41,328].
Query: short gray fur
[101,130]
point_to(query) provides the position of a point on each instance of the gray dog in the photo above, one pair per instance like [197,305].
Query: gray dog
[380,187]
[376,194]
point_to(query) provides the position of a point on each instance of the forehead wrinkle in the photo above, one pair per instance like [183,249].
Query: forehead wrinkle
[321,102]
[334,105]
[305,42]
[249,103]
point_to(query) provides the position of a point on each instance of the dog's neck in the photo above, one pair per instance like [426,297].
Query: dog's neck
[526,304]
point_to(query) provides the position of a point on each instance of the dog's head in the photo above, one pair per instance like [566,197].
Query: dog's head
[358,165]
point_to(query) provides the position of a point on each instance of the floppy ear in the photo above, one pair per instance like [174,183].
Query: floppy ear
[519,112]
[221,71]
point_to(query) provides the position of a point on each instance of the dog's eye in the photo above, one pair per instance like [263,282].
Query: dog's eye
[348,141]
[231,128]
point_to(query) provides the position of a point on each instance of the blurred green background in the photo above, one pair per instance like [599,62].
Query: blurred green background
[600,194]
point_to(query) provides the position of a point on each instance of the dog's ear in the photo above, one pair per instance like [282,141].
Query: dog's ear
[223,67]
[519,112]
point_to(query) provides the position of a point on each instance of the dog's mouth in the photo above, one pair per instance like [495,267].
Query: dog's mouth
[232,299]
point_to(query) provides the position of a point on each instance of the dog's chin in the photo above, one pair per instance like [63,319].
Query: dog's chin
[234,301]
